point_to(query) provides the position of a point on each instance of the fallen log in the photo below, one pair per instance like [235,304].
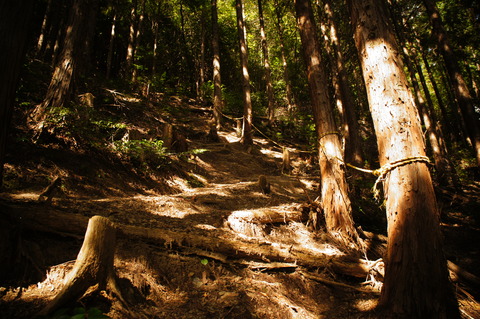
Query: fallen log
[222,241]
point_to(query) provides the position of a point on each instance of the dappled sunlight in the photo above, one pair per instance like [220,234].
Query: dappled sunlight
[230,137]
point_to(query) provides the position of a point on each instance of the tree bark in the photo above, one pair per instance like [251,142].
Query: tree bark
[247,101]
[334,194]
[14,18]
[94,265]
[460,88]
[416,281]
[67,68]
[343,93]
[217,80]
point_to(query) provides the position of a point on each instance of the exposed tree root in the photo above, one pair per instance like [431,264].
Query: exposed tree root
[93,267]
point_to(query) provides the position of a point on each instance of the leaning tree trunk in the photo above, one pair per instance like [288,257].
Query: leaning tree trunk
[247,100]
[334,198]
[94,265]
[416,281]
[14,17]
[460,88]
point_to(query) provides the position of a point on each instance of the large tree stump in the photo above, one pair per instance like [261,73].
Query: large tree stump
[94,265]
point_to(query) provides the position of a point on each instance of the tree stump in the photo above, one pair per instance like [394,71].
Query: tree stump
[94,265]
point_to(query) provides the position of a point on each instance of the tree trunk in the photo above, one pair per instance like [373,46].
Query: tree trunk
[438,149]
[137,42]
[110,44]
[217,81]
[131,40]
[247,102]
[460,88]
[344,97]
[201,60]
[94,265]
[416,281]
[63,79]
[43,29]
[286,76]
[14,18]
[266,63]
[334,197]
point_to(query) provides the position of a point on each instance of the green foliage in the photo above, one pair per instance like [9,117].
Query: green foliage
[141,151]
[204,261]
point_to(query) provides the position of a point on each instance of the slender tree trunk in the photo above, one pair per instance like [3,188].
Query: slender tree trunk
[110,45]
[286,76]
[217,81]
[43,29]
[344,97]
[443,109]
[416,281]
[247,102]
[266,63]
[14,18]
[137,41]
[131,40]
[334,197]
[201,61]
[448,173]
[460,88]
[66,69]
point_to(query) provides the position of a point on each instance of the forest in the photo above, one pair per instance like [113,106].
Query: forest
[240,159]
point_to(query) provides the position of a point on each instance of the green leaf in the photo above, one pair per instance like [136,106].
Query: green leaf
[204,261]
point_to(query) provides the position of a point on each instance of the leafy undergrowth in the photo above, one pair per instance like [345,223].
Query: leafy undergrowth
[112,162]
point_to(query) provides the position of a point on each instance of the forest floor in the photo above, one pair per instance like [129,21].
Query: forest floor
[183,249]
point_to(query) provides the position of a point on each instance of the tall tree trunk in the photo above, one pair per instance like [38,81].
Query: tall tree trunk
[137,41]
[217,80]
[460,88]
[416,281]
[449,126]
[334,197]
[131,40]
[286,76]
[66,69]
[201,60]
[110,44]
[14,18]
[344,97]
[247,101]
[43,29]
[266,63]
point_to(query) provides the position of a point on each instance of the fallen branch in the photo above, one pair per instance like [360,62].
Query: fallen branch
[335,283]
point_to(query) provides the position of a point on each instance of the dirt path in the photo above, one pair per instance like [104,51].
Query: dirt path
[214,184]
